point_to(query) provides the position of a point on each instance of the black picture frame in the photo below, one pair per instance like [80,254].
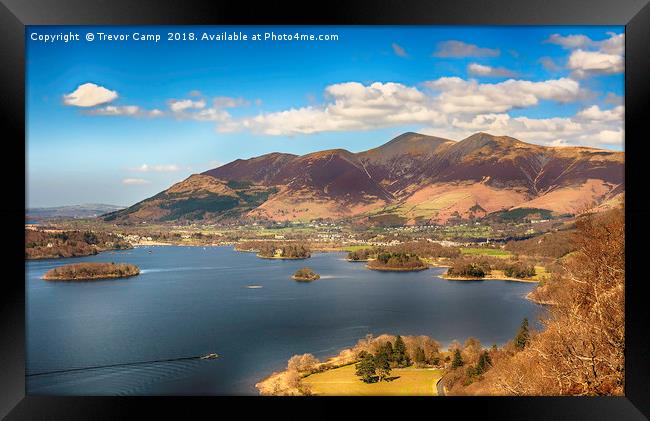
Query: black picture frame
[16,14]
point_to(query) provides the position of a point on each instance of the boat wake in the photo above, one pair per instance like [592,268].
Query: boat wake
[120,379]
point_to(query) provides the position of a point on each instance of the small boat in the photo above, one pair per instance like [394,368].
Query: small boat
[211,356]
[253,286]
[149,252]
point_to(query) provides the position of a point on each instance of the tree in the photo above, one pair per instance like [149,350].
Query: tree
[389,351]
[399,353]
[471,350]
[382,364]
[420,358]
[293,379]
[366,368]
[484,362]
[458,360]
[521,340]
[304,362]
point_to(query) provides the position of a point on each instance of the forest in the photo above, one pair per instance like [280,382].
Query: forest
[580,349]
[276,249]
[50,245]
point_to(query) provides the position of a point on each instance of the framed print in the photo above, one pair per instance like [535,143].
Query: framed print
[419,203]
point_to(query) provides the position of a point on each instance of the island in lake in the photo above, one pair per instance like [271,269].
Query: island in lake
[397,262]
[275,250]
[477,270]
[305,275]
[91,271]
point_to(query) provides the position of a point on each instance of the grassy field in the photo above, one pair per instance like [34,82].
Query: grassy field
[355,248]
[343,382]
[484,251]
[541,274]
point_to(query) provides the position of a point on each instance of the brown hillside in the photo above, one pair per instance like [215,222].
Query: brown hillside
[414,178]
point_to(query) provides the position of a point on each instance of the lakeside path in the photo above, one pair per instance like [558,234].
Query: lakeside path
[440,388]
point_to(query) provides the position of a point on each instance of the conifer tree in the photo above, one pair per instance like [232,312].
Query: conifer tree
[365,368]
[382,363]
[401,357]
[458,359]
[521,340]
[483,363]
[420,358]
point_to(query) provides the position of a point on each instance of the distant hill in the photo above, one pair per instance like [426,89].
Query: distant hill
[90,210]
[412,179]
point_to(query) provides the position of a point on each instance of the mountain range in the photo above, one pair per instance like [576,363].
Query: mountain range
[87,210]
[412,179]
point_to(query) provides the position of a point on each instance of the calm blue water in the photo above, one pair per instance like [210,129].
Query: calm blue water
[190,301]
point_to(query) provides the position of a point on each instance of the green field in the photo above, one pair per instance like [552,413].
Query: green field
[484,251]
[405,381]
[355,248]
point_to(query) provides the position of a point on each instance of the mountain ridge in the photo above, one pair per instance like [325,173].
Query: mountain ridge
[413,178]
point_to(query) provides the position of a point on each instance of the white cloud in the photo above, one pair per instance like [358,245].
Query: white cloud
[135,181]
[184,104]
[129,110]
[124,110]
[449,107]
[611,137]
[483,70]
[210,114]
[196,110]
[455,48]
[350,106]
[584,63]
[89,95]
[570,41]
[594,113]
[399,50]
[542,130]
[615,44]
[470,96]
[229,102]
[589,127]
[589,57]
[354,106]
[156,168]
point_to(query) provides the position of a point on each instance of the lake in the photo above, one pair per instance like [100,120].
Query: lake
[191,301]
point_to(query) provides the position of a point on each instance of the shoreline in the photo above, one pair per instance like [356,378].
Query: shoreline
[151,243]
[281,258]
[180,244]
[343,358]
[86,279]
[299,279]
[540,302]
[398,269]
[488,278]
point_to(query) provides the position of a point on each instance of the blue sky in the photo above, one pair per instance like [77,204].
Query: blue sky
[118,121]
